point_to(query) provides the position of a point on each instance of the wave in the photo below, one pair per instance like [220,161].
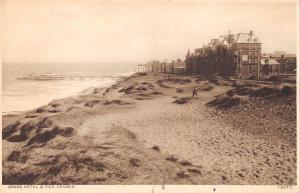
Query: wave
[73,76]
[25,95]
[11,113]
[54,76]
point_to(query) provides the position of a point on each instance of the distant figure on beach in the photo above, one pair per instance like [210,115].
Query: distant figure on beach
[195,91]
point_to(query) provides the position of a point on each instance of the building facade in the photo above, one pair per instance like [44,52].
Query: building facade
[141,68]
[247,50]
[174,67]
[229,55]
[288,62]
[269,66]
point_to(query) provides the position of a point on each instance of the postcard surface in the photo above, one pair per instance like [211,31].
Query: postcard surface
[152,96]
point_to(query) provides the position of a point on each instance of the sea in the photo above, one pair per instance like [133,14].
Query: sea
[26,86]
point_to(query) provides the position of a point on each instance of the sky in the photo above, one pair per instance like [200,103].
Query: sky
[133,31]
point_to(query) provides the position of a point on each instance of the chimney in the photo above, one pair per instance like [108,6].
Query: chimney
[251,33]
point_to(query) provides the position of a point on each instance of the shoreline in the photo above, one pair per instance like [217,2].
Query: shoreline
[145,125]
[81,92]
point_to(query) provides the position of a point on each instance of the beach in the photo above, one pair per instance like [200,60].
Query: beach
[148,129]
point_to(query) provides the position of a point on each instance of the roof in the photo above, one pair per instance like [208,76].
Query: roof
[271,61]
[198,50]
[215,42]
[247,38]
[278,55]
[227,39]
[221,39]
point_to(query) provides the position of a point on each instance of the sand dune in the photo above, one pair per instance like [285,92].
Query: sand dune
[148,129]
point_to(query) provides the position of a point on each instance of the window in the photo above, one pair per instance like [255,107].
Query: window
[255,61]
[250,53]
[244,58]
[256,53]
[250,60]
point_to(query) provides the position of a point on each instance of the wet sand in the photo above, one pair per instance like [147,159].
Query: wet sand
[147,129]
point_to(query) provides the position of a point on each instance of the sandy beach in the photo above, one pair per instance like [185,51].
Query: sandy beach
[148,129]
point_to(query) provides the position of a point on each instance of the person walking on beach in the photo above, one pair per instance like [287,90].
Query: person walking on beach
[195,92]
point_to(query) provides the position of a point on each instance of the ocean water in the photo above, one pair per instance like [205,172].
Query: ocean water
[62,80]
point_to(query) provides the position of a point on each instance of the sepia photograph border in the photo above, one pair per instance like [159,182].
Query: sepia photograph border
[162,188]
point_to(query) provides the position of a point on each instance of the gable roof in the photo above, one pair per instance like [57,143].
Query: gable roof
[271,61]
[247,38]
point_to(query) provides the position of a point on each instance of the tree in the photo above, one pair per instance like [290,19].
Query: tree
[266,69]
[283,64]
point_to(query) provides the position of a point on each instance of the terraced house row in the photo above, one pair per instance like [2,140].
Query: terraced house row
[230,55]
